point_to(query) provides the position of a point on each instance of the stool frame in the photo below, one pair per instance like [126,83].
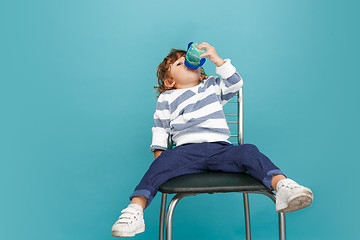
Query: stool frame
[174,201]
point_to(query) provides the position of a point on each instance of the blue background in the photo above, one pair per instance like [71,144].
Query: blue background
[77,104]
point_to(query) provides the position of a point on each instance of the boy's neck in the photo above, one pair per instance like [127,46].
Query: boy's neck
[190,85]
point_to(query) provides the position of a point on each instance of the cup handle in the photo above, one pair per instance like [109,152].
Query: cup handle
[202,61]
[189,45]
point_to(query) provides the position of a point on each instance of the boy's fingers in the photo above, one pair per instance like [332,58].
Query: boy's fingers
[204,45]
[208,45]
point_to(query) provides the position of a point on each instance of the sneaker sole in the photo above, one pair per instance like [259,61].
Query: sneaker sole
[129,234]
[296,202]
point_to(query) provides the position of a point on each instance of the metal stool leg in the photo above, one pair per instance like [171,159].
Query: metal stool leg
[176,199]
[282,227]
[170,212]
[247,216]
[162,216]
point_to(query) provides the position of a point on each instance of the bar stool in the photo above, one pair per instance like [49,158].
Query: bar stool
[215,182]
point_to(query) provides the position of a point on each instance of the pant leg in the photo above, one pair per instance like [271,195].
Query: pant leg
[240,158]
[184,159]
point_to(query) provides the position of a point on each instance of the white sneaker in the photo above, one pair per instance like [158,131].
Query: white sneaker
[291,196]
[130,222]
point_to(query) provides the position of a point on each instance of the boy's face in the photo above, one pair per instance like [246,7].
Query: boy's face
[182,76]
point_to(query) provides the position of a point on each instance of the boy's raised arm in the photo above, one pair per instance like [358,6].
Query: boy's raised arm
[230,82]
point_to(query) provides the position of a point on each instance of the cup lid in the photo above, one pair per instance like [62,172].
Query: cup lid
[192,66]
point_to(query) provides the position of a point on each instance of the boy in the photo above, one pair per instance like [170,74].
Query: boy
[189,108]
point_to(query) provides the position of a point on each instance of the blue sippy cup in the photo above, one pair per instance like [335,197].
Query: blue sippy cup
[192,57]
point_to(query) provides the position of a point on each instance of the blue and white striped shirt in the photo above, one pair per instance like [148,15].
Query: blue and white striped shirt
[195,115]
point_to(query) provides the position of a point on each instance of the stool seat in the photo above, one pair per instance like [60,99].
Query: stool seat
[213,182]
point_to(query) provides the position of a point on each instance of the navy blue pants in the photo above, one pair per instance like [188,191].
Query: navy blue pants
[203,157]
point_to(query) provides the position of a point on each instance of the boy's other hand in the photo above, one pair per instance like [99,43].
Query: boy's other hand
[211,54]
[157,153]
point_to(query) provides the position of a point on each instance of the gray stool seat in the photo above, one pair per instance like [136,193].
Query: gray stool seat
[213,182]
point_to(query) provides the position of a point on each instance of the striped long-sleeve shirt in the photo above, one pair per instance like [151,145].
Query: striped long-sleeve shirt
[195,115]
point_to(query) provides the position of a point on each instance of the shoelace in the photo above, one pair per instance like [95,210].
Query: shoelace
[128,214]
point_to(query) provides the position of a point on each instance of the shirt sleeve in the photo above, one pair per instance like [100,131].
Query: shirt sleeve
[230,82]
[161,128]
